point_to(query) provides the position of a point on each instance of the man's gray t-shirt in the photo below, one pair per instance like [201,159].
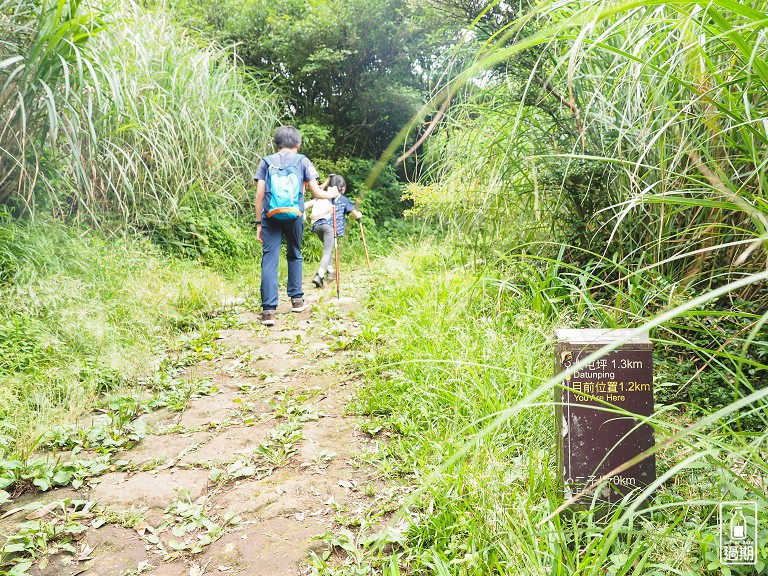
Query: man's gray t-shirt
[308,171]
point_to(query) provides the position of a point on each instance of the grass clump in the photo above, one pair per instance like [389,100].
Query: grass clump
[459,354]
[633,136]
[82,315]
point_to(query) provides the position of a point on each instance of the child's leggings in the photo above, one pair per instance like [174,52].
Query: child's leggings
[325,233]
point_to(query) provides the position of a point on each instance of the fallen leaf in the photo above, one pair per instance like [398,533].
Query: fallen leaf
[198,570]
[13,511]
[85,553]
[40,512]
[143,565]
[346,484]
[141,528]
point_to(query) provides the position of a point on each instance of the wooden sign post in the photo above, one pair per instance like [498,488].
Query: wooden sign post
[592,438]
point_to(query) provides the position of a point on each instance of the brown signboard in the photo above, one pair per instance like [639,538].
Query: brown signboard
[592,438]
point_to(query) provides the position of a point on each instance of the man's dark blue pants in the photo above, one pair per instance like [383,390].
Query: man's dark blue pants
[273,231]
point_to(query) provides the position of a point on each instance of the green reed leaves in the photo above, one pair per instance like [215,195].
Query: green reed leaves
[120,112]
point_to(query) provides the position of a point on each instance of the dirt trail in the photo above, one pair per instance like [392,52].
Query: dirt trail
[242,479]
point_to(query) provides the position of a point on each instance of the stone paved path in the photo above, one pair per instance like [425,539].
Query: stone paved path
[241,480]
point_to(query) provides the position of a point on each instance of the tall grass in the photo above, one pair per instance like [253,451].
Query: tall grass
[121,112]
[639,140]
[41,43]
[661,148]
[111,112]
[622,184]
[462,385]
[82,315]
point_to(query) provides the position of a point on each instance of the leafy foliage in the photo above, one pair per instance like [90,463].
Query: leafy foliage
[342,75]
[205,226]
[56,528]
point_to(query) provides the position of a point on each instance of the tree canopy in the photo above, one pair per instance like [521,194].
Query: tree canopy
[351,71]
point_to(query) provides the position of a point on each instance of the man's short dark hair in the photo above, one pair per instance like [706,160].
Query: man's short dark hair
[287,137]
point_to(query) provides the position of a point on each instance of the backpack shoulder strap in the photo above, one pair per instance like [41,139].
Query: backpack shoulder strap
[296,160]
[273,160]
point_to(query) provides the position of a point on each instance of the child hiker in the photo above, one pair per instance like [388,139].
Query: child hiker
[322,223]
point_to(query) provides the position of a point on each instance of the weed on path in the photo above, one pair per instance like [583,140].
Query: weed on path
[239,457]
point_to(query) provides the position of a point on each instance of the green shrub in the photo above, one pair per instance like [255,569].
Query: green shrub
[205,225]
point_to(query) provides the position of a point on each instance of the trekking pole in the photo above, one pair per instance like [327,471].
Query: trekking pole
[336,251]
[362,235]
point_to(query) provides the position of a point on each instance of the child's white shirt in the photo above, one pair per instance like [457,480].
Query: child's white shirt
[322,208]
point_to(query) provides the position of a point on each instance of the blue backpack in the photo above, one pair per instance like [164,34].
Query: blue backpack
[285,187]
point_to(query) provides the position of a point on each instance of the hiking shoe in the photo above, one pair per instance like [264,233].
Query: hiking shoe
[268,317]
[331,276]
[318,281]
[298,305]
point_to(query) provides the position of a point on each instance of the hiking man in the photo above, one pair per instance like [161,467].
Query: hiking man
[281,180]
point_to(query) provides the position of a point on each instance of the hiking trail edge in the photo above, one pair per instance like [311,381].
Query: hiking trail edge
[243,478]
